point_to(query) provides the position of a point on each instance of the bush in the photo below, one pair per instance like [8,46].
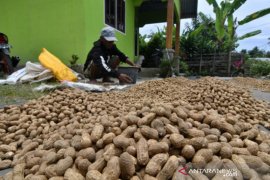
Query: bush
[183,66]
[165,68]
[204,73]
[74,59]
[258,67]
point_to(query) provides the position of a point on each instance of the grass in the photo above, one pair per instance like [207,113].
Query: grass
[18,94]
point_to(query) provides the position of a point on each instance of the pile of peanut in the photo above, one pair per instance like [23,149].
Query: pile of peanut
[150,131]
[260,84]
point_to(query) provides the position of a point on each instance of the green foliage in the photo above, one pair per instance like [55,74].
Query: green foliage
[148,48]
[219,26]
[189,46]
[183,67]
[224,12]
[256,52]
[157,41]
[254,16]
[205,72]
[236,5]
[250,34]
[258,67]
[244,51]
[199,37]
[74,59]
[204,35]
[267,54]
[165,68]
[213,2]
[231,27]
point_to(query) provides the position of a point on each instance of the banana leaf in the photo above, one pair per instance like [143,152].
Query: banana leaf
[250,34]
[197,30]
[219,25]
[254,16]
[225,8]
[215,4]
[235,5]
[230,27]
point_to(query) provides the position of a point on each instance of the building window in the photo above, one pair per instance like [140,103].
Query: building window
[115,14]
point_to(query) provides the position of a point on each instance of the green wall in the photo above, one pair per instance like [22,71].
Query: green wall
[64,27]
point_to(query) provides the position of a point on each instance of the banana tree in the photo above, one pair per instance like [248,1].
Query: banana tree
[225,12]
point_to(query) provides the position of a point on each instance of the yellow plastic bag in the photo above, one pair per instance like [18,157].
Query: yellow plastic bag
[59,69]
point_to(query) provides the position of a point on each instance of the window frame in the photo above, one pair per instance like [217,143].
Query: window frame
[116,16]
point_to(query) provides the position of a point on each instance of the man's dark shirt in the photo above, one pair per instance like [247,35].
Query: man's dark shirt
[100,56]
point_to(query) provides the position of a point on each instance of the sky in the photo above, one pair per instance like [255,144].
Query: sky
[250,6]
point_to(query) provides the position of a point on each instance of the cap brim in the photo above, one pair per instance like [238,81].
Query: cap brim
[110,38]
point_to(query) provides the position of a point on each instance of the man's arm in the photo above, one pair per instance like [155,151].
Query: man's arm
[134,65]
[123,57]
[130,62]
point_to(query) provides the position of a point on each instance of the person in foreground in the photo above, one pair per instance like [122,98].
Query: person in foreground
[104,58]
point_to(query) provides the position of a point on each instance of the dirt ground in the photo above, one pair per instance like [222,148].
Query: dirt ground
[261,95]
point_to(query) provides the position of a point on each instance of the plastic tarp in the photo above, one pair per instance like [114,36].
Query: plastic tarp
[14,77]
[82,86]
[46,87]
[33,72]
[93,87]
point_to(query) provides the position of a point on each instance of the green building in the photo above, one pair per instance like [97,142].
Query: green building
[67,27]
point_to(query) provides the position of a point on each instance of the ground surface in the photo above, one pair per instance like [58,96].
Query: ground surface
[261,95]
[18,94]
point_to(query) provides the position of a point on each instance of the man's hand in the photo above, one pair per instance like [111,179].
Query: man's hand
[134,65]
[125,78]
[139,68]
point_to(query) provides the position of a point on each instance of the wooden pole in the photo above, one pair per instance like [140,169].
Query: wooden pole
[177,37]
[213,64]
[170,12]
[200,70]
[177,47]
[229,64]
